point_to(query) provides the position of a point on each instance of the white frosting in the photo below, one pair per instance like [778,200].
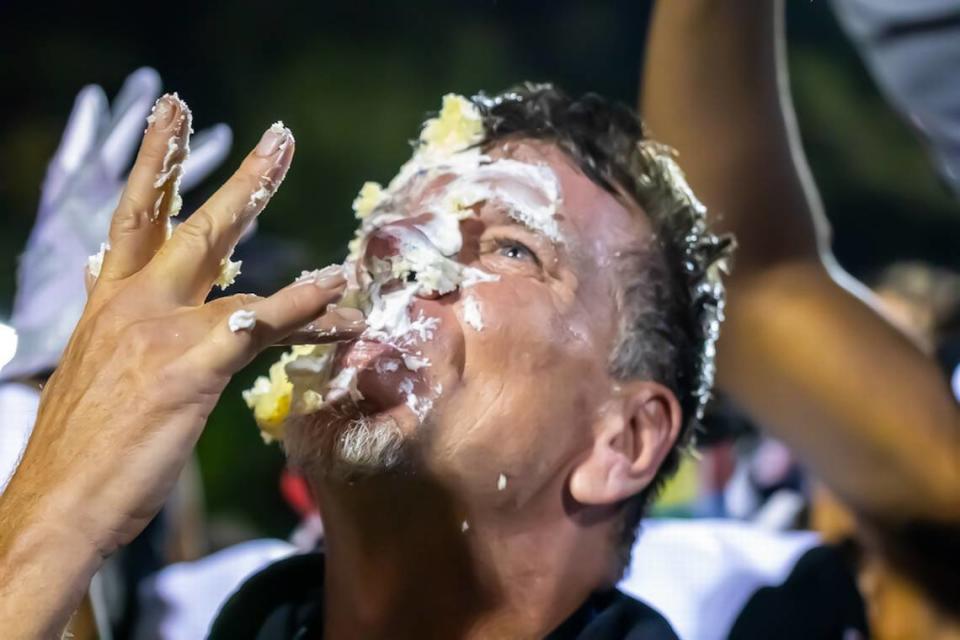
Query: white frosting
[171,172]
[95,262]
[388,366]
[169,166]
[388,317]
[229,270]
[344,383]
[258,199]
[501,482]
[420,406]
[423,257]
[530,193]
[422,261]
[267,184]
[242,320]
[471,312]
[415,362]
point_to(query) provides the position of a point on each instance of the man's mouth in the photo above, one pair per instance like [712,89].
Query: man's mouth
[385,374]
[363,354]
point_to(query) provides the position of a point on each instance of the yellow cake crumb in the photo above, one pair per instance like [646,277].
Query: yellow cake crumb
[458,126]
[370,196]
[275,397]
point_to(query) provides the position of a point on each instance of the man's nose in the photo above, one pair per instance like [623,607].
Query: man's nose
[389,240]
[390,243]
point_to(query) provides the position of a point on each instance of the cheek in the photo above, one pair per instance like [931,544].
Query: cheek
[527,386]
[522,328]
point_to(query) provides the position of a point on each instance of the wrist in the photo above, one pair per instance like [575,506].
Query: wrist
[45,569]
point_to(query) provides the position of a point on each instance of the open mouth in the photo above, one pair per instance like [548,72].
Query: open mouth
[363,354]
[385,375]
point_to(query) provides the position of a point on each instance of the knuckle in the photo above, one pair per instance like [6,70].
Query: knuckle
[140,338]
[103,323]
[258,184]
[130,217]
[154,148]
[232,303]
[169,376]
[200,230]
[231,349]
[245,299]
[247,179]
[246,340]
[305,300]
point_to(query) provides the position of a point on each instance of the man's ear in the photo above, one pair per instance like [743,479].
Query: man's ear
[632,439]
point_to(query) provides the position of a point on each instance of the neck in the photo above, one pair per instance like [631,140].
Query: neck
[400,565]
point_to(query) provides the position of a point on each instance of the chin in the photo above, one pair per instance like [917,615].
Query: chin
[351,440]
[369,427]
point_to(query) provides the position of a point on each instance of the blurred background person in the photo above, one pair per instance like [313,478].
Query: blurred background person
[807,351]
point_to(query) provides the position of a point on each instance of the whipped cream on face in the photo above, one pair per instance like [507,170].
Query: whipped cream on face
[441,185]
[471,313]
[530,193]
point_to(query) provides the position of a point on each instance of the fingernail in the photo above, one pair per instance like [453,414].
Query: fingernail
[348,314]
[347,318]
[330,276]
[165,111]
[330,281]
[310,277]
[273,140]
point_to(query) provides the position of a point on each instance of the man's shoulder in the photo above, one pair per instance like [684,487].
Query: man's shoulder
[614,615]
[283,600]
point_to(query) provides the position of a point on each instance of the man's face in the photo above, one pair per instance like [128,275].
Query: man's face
[518,363]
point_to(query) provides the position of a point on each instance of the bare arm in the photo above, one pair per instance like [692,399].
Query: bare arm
[803,350]
[142,371]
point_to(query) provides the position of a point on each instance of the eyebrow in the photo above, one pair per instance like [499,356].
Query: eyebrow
[541,241]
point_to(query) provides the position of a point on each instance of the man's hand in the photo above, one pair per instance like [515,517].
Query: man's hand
[143,369]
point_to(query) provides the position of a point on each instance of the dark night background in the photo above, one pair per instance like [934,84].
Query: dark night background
[353,80]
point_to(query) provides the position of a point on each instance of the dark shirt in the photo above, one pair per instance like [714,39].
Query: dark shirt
[819,600]
[285,602]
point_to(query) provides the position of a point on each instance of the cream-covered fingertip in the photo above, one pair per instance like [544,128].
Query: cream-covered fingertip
[274,140]
[167,110]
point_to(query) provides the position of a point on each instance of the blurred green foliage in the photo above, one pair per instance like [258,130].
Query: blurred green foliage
[353,80]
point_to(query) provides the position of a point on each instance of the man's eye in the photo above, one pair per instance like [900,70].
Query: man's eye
[516,250]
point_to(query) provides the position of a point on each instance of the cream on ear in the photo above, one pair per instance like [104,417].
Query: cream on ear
[634,436]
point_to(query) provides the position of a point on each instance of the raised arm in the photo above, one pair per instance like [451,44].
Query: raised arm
[803,350]
[143,369]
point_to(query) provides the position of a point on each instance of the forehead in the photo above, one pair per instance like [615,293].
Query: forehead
[594,223]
